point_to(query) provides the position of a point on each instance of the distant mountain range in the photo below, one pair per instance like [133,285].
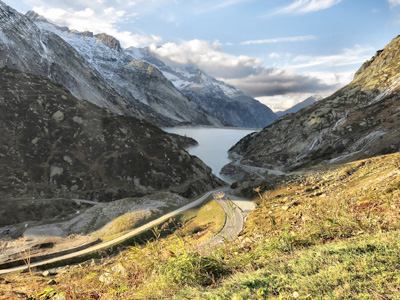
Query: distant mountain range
[193,98]
[219,99]
[298,106]
[360,120]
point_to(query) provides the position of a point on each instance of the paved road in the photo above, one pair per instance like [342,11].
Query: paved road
[236,209]
[119,239]
[258,171]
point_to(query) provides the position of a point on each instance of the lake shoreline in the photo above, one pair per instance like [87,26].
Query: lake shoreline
[213,144]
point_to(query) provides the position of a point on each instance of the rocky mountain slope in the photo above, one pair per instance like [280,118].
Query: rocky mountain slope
[299,106]
[25,47]
[360,120]
[219,99]
[137,81]
[53,145]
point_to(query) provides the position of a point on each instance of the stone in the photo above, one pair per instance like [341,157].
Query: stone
[119,269]
[106,278]
[55,171]
[58,116]
[77,119]
[51,282]
[49,273]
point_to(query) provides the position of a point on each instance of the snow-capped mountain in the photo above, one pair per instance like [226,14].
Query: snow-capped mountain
[216,97]
[23,46]
[135,80]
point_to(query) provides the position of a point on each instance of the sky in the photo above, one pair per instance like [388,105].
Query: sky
[279,52]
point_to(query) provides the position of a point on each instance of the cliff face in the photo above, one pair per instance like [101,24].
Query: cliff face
[360,120]
[53,145]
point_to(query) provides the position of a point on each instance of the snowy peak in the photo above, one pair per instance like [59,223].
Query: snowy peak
[34,16]
[109,41]
[216,97]
[104,38]
[148,93]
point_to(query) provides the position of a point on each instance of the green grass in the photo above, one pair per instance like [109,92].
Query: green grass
[329,234]
[361,268]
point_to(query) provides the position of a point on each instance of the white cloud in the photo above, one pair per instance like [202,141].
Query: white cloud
[228,3]
[348,57]
[279,88]
[208,6]
[209,57]
[307,6]
[104,20]
[394,3]
[280,40]
[274,55]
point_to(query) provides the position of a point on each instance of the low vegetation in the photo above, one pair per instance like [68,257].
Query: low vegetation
[326,234]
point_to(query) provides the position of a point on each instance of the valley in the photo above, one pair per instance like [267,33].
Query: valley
[130,172]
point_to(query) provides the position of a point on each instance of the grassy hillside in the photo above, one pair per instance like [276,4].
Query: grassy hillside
[325,234]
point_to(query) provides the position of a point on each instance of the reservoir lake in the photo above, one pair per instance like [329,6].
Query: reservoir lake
[214,144]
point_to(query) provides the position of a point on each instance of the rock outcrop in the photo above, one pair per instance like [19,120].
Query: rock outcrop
[53,145]
[360,120]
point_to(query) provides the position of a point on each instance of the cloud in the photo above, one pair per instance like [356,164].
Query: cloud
[348,57]
[228,3]
[274,82]
[102,20]
[307,6]
[269,84]
[208,6]
[393,3]
[331,82]
[274,55]
[280,40]
[283,102]
[209,58]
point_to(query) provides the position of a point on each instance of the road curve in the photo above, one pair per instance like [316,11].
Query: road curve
[236,209]
[119,239]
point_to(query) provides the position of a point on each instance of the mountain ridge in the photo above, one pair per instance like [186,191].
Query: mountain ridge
[216,97]
[360,120]
[218,100]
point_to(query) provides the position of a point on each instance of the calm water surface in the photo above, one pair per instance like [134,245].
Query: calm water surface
[214,144]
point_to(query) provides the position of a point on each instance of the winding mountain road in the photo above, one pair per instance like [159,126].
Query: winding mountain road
[236,209]
[233,225]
